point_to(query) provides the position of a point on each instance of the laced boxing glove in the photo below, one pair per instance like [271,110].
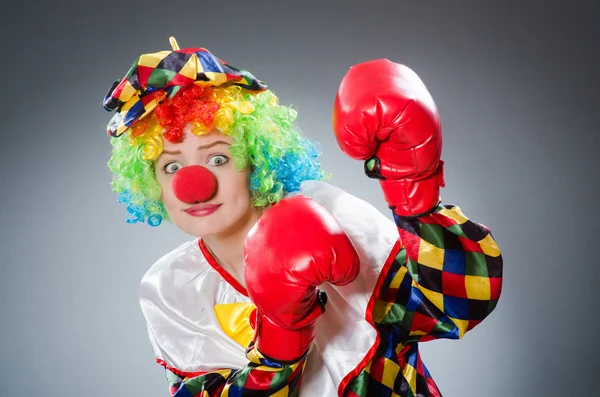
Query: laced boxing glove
[295,246]
[384,114]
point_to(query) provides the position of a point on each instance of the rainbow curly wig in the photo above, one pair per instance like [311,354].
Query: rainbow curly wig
[266,139]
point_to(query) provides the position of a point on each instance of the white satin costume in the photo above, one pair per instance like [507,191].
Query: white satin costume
[186,302]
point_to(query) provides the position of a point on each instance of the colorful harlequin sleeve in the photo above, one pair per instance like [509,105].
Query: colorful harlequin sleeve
[443,278]
[261,377]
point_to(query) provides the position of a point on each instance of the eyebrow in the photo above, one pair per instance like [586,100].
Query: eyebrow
[199,147]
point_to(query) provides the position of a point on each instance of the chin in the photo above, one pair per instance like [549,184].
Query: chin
[202,231]
[196,226]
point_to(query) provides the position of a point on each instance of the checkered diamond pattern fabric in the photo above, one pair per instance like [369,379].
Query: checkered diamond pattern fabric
[261,377]
[442,278]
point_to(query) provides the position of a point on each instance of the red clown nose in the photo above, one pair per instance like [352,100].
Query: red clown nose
[194,184]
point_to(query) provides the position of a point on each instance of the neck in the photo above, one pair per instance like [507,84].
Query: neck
[227,248]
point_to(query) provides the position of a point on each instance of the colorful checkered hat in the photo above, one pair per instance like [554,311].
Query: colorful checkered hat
[154,77]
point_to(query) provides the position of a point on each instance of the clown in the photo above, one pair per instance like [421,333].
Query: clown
[293,287]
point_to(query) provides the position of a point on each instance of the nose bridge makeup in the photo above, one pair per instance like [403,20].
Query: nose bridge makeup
[194,184]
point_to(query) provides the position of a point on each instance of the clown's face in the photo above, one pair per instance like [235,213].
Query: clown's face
[216,213]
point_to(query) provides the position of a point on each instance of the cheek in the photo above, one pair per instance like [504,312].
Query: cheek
[234,185]
[242,185]
[166,195]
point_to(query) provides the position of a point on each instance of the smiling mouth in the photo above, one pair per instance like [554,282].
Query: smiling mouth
[202,210]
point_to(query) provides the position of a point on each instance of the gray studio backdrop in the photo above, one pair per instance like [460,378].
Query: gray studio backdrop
[517,87]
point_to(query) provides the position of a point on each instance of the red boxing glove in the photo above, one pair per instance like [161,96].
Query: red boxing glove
[295,246]
[384,114]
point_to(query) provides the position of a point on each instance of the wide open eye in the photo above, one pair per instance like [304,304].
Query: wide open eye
[172,167]
[218,160]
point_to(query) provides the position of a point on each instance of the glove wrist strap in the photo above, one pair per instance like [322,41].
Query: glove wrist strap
[411,197]
[288,344]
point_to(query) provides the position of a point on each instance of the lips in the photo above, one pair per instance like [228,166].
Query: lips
[202,209]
